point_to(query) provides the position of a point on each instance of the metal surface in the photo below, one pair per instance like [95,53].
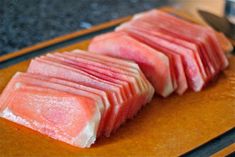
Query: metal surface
[220,24]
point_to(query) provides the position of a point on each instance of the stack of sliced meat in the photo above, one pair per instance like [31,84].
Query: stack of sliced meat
[174,54]
[75,96]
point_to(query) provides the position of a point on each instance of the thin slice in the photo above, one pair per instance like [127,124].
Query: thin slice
[185,33]
[39,80]
[124,67]
[155,65]
[102,74]
[177,64]
[148,28]
[60,115]
[165,47]
[61,71]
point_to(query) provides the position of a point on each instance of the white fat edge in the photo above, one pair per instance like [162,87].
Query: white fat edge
[17,74]
[112,122]
[87,136]
[198,81]
[150,92]
[137,16]
[168,88]
[134,80]
[101,108]
[8,114]
[18,85]
[143,85]
[106,101]
[136,71]
[148,88]
[4,97]
[165,60]
[120,27]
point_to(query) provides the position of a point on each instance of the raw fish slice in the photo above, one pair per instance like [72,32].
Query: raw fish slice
[38,66]
[124,65]
[113,71]
[66,117]
[70,73]
[197,32]
[213,46]
[129,67]
[149,29]
[200,55]
[109,71]
[195,79]
[53,83]
[102,72]
[126,92]
[34,81]
[133,96]
[101,93]
[213,41]
[155,42]
[171,56]
[155,65]
[72,65]
[186,34]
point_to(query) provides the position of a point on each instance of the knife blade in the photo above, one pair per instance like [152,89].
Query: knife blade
[221,24]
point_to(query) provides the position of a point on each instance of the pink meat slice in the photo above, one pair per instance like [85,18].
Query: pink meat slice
[196,47]
[61,71]
[213,41]
[133,96]
[102,74]
[125,90]
[122,74]
[128,66]
[121,66]
[186,31]
[177,64]
[42,81]
[155,65]
[63,116]
[68,86]
[148,28]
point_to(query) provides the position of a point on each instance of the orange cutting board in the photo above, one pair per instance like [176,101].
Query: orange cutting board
[165,127]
